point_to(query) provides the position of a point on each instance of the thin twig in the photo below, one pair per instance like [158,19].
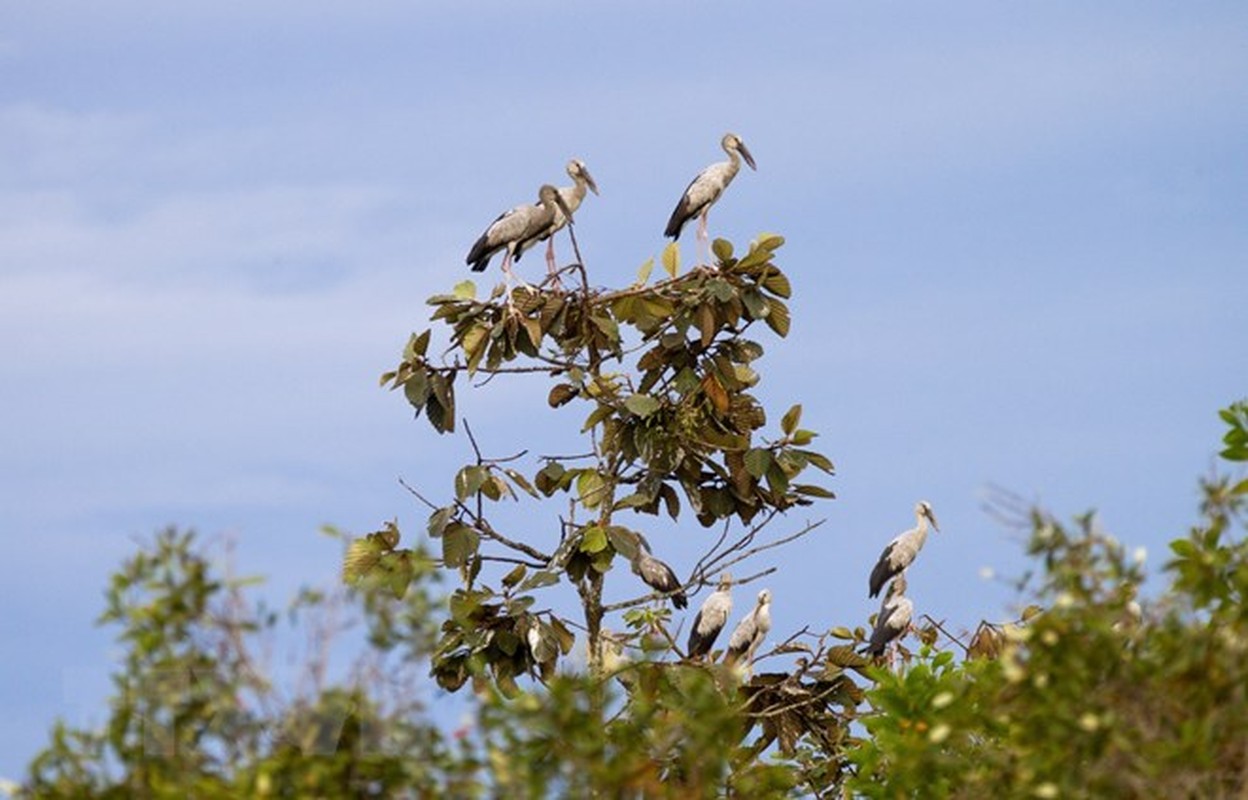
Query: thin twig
[965,649]
[417,494]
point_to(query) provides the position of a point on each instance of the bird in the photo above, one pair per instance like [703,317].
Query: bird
[572,197]
[902,550]
[706,188]
[894,617]
[517,230]
[658,575]
[711,618]
[750,631]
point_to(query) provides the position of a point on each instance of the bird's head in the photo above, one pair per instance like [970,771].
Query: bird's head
[577,169]
[733,143]
[549,196]
[924,509]
[764,597]
[725,582]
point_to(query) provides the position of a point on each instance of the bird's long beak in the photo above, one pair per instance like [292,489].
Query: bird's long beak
[567,212]
[745,153]
[932,518]
[589,181]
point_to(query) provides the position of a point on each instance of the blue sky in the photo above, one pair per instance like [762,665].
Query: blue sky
[1016,234]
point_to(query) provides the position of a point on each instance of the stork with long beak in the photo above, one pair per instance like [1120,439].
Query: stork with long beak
[706,188]
[572,197]
[901,551]
[516,230]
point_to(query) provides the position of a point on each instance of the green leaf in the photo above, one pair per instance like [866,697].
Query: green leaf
[362,556]
[439,519]
[417,345]
[416,389]
[722,248]
[770,242]
[643,405]
[643,274]
[776,283]
[757,461]
[803,437]
[459,543]
[469,480]
[465,290]
[594,540]
[788,423]
[539,579]
[607,325]
[589,488]
[566,638]
[519,480]
[596,416]
[671,259]
[755,304]
[515,576]
[818,460]
[623,541]
[778,318]
[810,490]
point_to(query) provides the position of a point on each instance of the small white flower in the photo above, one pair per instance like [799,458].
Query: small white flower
[1140,555]
[1045,790]
[987,573]
[939,733]
[1089,722]
[943,699]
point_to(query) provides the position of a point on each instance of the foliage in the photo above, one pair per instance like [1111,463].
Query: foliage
[193,713]
[1094,696]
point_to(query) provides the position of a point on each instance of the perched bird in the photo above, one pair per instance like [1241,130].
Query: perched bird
[711,618]
[706,188]
[572,197]
[901,551]
[658,575]
[893,619]
[516,230]
[751,631]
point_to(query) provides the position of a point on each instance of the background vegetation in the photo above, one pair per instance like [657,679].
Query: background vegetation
[1096,691]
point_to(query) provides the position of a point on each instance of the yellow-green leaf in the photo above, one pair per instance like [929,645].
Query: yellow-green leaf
[671,259]
[788,423]
[643,274]
[465,290]
[594,540]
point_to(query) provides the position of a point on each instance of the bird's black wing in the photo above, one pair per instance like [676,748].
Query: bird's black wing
[883,571]
[699,645]
[683,212]
[882,635]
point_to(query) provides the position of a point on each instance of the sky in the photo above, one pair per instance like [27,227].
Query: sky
[1016,235]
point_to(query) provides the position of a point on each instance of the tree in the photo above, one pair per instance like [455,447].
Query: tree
[664,371]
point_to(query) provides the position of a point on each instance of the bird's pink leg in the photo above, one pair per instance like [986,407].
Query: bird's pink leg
[550,264]
[703,236]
